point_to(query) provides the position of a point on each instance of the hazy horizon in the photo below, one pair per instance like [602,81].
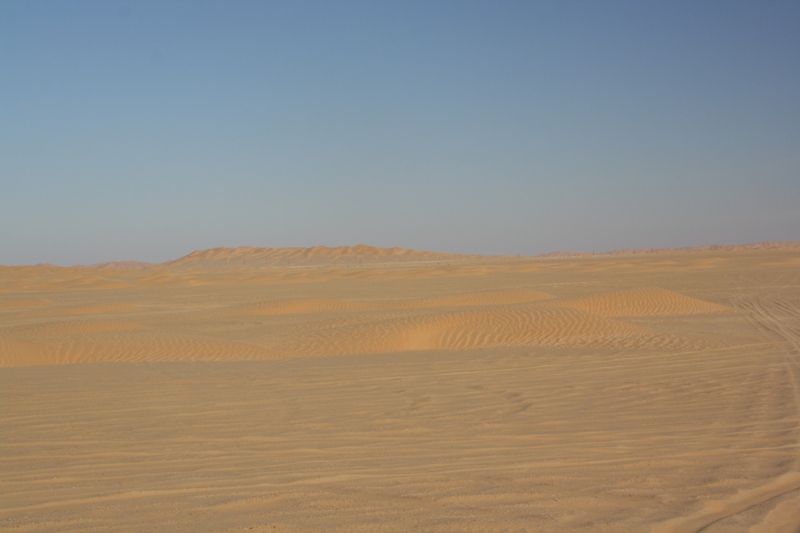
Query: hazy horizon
[145,131]
[553,253]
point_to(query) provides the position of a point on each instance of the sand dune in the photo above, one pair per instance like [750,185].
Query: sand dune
[642,302]
[318,255]
[643,393]
[469,330]
[376,332]
[122,265]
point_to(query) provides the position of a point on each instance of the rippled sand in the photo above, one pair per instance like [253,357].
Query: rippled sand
[623,393]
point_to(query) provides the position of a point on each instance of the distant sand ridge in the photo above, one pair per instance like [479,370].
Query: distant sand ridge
[249,257]
[360,389]
[253,257]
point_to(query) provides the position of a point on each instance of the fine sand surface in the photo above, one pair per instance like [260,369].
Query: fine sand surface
[230,392]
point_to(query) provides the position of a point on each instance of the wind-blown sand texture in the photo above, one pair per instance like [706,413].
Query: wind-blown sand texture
[226,391]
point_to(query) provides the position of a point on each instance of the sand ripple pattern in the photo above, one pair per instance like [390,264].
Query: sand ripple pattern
[467,330]
[299,306]
[475,299]
[24,352]
[291,306]
[99,309]
[298,327]
[643,302]
[113,329]
[24,303]
[75,327]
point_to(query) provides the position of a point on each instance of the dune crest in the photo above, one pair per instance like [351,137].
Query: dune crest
[250,257]
[120,265]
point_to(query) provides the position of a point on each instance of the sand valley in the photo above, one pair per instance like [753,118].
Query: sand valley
[374,390]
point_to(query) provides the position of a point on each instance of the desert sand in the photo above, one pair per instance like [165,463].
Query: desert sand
[363,389]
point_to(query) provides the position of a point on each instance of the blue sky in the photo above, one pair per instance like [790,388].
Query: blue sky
[145,130]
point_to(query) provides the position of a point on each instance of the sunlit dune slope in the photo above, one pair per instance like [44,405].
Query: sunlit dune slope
[642,302]
[474,329]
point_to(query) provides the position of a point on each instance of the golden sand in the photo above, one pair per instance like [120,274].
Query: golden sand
[653,393]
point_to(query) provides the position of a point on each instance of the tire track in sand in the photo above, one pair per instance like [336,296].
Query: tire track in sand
[778,319]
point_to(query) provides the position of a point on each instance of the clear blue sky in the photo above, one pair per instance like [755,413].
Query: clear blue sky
[145,130]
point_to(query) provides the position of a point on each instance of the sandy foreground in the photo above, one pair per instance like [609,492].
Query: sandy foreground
[656,393]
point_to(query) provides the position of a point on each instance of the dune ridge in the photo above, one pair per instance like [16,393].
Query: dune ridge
[120,265]
[362,254]
[251,257]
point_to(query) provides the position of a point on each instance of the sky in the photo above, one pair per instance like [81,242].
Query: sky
[146,130]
